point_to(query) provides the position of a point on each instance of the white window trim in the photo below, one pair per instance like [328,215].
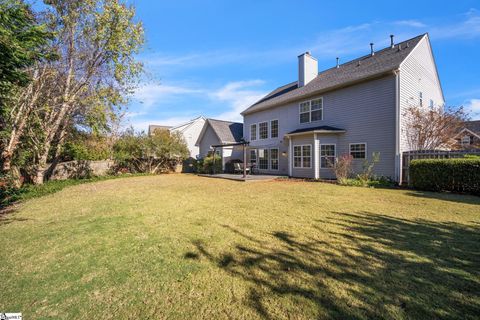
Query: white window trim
[270,159]
[270,129]
[256,131]
[320,152]
[350,150]
[310,111]
[268,133]
[301,155]
[469,140]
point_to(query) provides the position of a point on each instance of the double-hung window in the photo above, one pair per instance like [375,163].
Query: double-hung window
[467,140]
[253,132]
[311,111]
[263,159]
[263,130]
[274,129]
[420,98]
[274,159]
[327,155]
[358,150]
[302,156]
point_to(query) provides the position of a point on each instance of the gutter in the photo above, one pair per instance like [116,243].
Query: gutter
[314,132]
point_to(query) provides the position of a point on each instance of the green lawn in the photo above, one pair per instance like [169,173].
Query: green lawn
[186,247]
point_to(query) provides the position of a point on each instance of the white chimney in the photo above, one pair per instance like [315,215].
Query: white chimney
[307,69]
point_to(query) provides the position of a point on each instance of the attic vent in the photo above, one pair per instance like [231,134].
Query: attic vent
[372,53]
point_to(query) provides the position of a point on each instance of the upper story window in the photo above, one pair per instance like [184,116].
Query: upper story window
[311,110]
[263,130]
[431,105]
[420,98]
[253,132]
[274,129]
[358,150]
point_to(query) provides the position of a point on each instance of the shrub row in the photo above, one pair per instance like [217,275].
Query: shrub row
[456,175]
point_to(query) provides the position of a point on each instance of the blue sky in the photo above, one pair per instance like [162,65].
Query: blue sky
[214,58]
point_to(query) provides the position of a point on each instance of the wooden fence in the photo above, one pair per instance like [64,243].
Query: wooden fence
[431,154]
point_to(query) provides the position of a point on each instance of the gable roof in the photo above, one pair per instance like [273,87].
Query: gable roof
[473,126]
[186,125]
[226,131]
[383,62]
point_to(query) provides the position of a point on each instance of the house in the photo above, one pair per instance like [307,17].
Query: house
[469,136]
[220,132]
[354,108]
[190,131]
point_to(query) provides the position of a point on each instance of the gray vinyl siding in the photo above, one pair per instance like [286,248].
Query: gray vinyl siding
[209,138]
[418,73]
[366,111]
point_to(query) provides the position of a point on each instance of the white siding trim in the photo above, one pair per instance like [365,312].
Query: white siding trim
[290,156]
[398,133]
[316,157]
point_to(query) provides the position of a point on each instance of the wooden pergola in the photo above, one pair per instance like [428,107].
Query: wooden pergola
[241,143]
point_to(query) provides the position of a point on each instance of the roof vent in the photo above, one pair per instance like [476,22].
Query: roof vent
[372,53]
[399,47]
[358,63]
[392,44]
[408,45]
[338,65]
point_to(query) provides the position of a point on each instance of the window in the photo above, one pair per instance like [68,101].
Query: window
[420,98]
[274,129]
[263,130]
[263,159]
[253,132]
[358,150]
[431,104]
[316,110]
[327,155]
[253,156]
[302,156]
[467,140]
[311,111]
[274,159]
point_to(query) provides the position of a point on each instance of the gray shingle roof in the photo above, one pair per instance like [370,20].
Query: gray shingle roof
[227,131]
[363,68]
[473,126]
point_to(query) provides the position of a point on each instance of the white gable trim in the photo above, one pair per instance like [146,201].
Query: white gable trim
[469,131]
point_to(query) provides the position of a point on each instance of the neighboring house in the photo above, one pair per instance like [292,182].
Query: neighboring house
[217,132]
[469,136]
[189,130]
[354,108]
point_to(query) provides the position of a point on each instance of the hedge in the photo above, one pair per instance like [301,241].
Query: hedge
[456,175]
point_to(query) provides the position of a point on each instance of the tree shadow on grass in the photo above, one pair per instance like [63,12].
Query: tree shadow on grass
[446,196]
[370,266]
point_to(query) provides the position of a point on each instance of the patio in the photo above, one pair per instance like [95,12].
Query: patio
[240,177]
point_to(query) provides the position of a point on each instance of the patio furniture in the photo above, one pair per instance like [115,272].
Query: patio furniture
[238,168]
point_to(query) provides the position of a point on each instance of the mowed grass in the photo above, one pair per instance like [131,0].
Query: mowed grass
[186,247]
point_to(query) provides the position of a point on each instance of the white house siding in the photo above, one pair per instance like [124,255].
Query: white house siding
[366,111]
[418,74]
[190,132]
[209,138]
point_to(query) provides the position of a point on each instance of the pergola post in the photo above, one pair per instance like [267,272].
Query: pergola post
[214,154]
[244,161]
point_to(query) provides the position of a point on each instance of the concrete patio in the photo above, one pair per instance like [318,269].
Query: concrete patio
[239,177]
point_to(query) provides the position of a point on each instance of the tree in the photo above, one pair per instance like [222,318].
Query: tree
[432,129]
[152,154]
[96,41]
[23,43]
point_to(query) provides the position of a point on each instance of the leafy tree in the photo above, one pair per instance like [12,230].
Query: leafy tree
[159,152]
[23,43]
[430,129]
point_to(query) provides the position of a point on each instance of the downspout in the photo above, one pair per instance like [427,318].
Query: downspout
[398,155]
[316,159]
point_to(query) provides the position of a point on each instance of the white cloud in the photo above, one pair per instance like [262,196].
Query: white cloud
[151,94]
[468,28]
[473,108]
[411,23]
[239,96]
